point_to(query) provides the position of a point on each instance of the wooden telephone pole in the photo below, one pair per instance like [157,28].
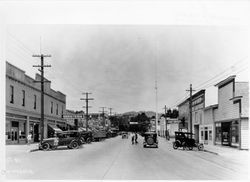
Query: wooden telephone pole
[42,56]
[87,107]
[190,108]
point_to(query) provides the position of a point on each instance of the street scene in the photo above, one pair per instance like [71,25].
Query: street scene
[125,102]
[118,159]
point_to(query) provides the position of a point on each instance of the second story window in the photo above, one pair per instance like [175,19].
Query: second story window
[23,93]
[34,101]
[56,109]
[12,94]
[51,108]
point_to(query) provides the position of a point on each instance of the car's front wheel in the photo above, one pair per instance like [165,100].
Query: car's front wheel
[74,145]
[45,146]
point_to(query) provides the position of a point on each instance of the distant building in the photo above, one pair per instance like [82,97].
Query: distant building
[169,124]
[23,102]
[72,117]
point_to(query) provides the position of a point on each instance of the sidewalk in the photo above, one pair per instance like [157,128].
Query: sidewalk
[22,147]
[217,149]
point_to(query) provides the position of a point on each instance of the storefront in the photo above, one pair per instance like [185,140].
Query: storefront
[206,134]
[227,133]
[15,129]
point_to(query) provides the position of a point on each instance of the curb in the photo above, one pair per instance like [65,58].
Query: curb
[211,152]
[33,150]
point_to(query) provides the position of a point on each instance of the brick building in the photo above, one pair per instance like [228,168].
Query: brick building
[23,106]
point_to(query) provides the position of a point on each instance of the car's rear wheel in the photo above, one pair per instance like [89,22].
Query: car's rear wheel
[74,145]
[88,140]
[45,146]
[175,145]
[200,147]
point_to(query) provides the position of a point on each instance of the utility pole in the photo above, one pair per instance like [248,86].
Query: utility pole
[103,111]
[87,107]
[42,56]
[190,107]
[165,109]
[110,111]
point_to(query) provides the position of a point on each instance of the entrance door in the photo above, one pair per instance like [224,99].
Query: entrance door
[36,132]
[14,135]
[196,132]
[225,129]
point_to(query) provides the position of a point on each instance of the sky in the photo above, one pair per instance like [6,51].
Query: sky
[119,64]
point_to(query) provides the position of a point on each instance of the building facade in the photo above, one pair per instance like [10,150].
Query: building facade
[207,127]
[232,115]
[198,105]
[23,106]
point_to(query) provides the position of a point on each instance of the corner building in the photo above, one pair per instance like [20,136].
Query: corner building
[23,106]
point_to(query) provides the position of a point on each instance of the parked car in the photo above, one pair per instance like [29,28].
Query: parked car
[71,139]
[186,140]
[150,139]
[86,136]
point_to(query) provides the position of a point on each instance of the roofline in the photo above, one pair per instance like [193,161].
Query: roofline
[15,66]
[195,95]
[225,81]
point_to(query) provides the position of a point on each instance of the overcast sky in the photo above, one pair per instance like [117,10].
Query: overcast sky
[119,64]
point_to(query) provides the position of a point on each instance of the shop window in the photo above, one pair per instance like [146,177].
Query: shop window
[12,94]
[235,133]
[218,132]
[8,130]
[22,130]
[210,135]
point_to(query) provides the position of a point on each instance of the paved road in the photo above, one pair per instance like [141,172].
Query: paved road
[117,159]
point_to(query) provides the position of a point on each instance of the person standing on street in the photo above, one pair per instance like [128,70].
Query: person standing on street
[133,138]
[136,138]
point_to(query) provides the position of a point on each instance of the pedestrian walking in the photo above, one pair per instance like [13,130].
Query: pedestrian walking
[133,139]
[136,138]
[29,138]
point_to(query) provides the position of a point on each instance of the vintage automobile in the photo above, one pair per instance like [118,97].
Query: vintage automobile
[71,139]
[124,135]
[86,136]
[186,140]
[150,139]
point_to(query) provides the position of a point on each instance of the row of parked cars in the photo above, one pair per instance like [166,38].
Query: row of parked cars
[73,139]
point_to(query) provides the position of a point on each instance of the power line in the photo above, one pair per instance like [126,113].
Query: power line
[21,43]
[220,74]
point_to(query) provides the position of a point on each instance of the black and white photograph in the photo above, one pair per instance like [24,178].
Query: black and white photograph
[124,90]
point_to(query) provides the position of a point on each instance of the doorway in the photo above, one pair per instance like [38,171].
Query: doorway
[14,132]
[225,130]
[36,132]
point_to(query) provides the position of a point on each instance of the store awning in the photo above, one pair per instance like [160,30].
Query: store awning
[55,128]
